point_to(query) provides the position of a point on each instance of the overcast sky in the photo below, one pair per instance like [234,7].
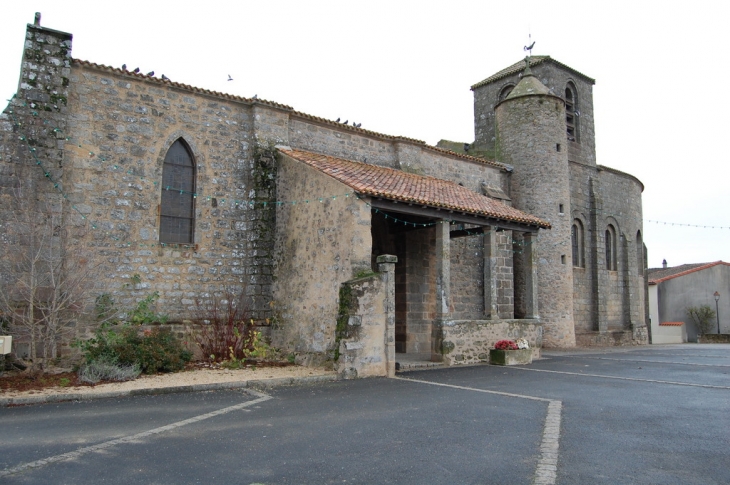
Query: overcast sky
[405,68]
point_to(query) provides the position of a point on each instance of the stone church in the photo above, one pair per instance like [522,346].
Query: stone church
[347,245]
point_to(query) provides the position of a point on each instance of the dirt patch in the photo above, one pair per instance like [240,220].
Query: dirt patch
[28,382]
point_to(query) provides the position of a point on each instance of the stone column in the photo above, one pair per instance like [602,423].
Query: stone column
[443,271]
[443,287]
[530,269]
[632,290]
[491,310]
[599,273]
[386,267]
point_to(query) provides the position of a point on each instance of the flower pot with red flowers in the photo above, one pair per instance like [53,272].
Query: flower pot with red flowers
[506,352]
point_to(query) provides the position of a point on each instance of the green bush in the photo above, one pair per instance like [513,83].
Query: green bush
[123,344]
[152,350]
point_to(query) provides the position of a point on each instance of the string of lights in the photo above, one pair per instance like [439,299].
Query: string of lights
[220,200]
[238,203]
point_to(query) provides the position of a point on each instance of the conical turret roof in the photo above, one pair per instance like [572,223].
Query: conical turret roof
[529,85]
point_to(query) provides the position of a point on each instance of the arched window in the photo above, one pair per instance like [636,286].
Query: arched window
[639,253]
[576,237]
[177,207]
[571,112]
[505,92]
[610,248]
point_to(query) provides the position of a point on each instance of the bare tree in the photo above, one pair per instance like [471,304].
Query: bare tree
[44,280]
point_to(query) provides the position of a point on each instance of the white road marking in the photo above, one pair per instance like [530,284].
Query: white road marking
[546,472]
[583,374]
[134,438]
[658,362]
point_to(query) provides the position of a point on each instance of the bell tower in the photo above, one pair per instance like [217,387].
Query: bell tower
[531,136]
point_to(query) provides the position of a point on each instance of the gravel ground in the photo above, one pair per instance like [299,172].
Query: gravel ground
[187,378]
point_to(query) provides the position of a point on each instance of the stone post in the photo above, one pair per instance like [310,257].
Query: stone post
[443,287]
[530,269]
[386,267]
[491,310]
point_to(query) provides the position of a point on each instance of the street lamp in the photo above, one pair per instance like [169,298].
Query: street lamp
[717,311]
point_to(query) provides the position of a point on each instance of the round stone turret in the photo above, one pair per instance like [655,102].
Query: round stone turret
[531,137]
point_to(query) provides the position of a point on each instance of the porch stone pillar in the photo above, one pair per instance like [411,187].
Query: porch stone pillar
[530,268]
[386,268]
[443,287]
[491,310]
[443,270]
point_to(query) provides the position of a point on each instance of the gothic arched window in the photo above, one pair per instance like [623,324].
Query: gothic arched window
[177,202]
[576,237]
[610,248]
[571,112]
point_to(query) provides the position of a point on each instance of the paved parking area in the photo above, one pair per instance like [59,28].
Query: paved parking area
[650,415]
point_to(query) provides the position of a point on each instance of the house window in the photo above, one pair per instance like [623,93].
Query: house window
[576,238]
[610,248]
[177,201]
[639,253]
[571,112]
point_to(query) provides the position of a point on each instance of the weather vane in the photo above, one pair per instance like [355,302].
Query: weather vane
[528,48]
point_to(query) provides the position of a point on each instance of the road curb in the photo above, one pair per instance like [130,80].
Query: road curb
[254,384]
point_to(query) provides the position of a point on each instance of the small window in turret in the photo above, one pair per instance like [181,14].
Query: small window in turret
[505,92]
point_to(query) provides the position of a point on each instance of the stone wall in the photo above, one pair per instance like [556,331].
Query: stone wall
[467,277]
[366,323]
[307,133]
[469,341]
[420,286]
[129,124]
[318,246]
[601,196]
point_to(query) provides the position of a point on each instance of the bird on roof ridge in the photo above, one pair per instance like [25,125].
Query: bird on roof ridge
[124,67]
[151,73]
[136,70]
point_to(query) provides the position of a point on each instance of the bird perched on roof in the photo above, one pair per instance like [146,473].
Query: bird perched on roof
[136,70]
[230,78]
[337,120]
[124,67]
[255,96]
[346,121]
[357,125]
[151,73]
[466,147]
[165,78]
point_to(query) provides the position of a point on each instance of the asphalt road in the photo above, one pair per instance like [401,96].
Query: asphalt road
[653,415]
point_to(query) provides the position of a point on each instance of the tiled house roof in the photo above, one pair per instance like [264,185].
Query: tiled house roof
[658,275]
[520,66]
[396,185]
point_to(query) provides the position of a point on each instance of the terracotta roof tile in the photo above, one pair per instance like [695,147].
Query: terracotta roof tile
[402,186]
[659,275]
[671,324]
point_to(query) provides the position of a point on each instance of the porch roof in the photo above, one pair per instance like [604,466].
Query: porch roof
[415,190]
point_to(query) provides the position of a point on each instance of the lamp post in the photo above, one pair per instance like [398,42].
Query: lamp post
[717,311]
